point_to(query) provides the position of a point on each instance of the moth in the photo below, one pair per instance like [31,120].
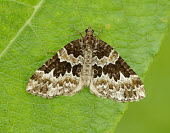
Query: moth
[90,62]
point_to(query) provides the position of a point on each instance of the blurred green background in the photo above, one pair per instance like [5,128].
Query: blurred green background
[152,115]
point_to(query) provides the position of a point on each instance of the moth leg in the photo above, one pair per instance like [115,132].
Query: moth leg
[99,32]
[77,31]
[114,47]
[52,51]
[75,34]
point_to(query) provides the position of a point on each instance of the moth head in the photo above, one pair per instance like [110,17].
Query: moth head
[89,31]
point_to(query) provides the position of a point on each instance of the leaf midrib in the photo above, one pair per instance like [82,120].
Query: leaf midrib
[28,22]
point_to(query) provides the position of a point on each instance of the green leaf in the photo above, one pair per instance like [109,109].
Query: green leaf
[30,28]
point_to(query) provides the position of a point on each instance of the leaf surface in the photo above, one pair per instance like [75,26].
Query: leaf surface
[30,28]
